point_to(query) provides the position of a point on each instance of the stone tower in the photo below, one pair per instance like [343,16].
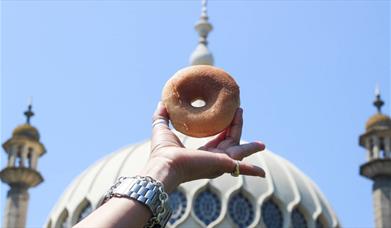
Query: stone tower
[377,141]
[23,150]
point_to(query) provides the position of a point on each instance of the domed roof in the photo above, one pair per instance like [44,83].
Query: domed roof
[286,196]
[26,131]
[378,121]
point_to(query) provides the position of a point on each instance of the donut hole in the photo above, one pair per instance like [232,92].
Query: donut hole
[198,94]
[198,103]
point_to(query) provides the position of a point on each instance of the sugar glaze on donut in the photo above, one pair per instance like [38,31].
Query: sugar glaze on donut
[201,100]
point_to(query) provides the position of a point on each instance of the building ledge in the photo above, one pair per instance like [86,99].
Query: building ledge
[376,168]
[22,176]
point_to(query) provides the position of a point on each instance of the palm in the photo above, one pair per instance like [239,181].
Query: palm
[211,160]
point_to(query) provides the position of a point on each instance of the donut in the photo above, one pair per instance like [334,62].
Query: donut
[201,100]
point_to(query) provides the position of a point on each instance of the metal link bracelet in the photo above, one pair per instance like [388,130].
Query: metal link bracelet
[147,191]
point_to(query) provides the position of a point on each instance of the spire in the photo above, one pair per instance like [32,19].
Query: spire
[201,55]
[378,103]
[29,113]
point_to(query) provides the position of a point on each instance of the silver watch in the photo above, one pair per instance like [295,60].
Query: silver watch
[147,191]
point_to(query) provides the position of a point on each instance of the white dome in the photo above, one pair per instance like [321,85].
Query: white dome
[285,198]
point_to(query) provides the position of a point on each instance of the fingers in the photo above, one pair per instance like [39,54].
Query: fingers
[241,151]
[236,126]
[215,142]
[251,170]
[245,168]
[203,164]
[234,131]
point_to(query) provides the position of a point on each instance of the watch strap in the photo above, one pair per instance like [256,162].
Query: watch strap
[147,191]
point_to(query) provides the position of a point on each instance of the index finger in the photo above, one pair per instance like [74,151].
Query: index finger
[235,131]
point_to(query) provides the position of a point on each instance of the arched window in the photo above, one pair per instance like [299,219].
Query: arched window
[30,157]
[371,146]
[319,223]
[207,207]
[271,215]
[63,220]
[241,210]
[84,211]
[49,225]
[178,204]
[19,160]
[64,223]
[382,148]
[298,219]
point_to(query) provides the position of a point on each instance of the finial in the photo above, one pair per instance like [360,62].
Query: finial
[378,103]
[29,113]
[201,55]
[377,90]
[203,26]
[204,13]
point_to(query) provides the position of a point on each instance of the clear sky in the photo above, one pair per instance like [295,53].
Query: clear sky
[307,71]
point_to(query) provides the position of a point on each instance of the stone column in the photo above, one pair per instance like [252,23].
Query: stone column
[382,201]
[11,158]
[16,207]
[33,160]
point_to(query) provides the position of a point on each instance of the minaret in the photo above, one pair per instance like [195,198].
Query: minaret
[201,55]
[377,141]
[23,150]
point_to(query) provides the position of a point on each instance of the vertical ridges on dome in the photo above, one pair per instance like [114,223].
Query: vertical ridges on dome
[201,55]
[280,175]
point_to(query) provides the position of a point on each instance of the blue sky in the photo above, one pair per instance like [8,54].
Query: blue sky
[306,69]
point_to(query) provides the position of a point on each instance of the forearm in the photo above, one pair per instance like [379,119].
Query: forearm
[125,212]
[118,212]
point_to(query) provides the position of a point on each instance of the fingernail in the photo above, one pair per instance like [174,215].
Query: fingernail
[160,105]
[261,145]
[262,174]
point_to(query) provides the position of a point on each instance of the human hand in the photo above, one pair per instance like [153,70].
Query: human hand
[173,164]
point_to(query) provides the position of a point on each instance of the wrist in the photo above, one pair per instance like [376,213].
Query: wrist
[146,191]
[162,170]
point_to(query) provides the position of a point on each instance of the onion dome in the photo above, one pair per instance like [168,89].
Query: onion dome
[378,121]
[26,131]
[201,55]
[285,198]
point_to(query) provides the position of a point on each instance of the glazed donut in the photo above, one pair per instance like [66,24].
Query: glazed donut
[215,91]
